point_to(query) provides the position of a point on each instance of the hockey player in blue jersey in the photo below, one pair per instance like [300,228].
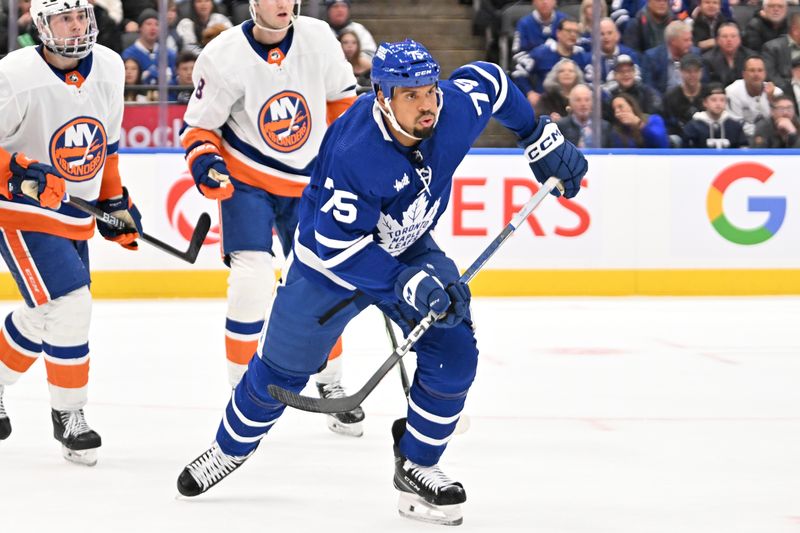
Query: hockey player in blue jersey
[381,182]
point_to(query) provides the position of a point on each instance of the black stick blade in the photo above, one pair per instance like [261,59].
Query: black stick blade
[314,405]
[198,237]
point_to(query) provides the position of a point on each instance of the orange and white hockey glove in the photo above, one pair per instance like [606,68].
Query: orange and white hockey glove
[38,181]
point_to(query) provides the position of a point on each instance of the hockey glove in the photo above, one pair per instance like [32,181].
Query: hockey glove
[38,181]
[550,154]
[209,171]
[459,306]
[122,208]
[425,293]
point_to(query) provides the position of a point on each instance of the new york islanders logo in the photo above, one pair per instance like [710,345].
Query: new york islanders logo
[78,148]
[285,121]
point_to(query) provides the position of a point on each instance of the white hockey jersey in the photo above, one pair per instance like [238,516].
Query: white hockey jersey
[267,108]
[70,120]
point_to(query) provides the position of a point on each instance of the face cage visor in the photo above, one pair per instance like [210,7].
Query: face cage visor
[254,16]
[70,47]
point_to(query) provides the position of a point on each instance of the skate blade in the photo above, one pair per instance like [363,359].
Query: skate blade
[413,507]
[80,457]
[350,430]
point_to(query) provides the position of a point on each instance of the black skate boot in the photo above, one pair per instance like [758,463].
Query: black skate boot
[426,493]
[5,423]
[208,470]
[79,442]
[348,423]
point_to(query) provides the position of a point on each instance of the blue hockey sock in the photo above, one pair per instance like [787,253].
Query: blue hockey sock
[251,411]
[432,419]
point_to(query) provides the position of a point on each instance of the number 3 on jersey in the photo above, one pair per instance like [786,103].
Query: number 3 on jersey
[343,211]
[467,86]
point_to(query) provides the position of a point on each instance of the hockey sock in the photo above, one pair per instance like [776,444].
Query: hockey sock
[17,351]
[251,411]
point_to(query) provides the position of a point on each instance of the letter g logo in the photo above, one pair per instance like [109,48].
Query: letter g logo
[775,206]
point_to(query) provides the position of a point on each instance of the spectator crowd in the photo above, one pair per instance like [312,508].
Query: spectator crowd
[672,73]
[680,73]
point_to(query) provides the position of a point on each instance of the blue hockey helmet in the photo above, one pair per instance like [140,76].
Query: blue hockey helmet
[403,64]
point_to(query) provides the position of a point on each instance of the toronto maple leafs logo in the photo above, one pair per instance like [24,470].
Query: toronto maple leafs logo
[395,237]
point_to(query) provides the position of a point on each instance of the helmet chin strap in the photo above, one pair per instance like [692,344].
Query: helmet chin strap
[388,112]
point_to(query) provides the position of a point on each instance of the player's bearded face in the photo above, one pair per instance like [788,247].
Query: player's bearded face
[416,109]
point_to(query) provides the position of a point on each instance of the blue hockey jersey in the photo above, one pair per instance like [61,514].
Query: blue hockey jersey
[370,198]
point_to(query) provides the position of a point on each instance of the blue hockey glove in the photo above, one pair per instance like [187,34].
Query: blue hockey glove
[122,208]
[459,298]
[42,181]
[209,171]
[550,154]
[422,291]
[425,293]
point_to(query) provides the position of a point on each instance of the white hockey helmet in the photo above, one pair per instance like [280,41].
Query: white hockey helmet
[295,14]
[73,47]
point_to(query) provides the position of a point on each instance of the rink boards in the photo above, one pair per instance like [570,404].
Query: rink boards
[651,223]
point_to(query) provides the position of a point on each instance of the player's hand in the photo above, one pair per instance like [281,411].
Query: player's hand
[209,171]
[123,209]
[425,293]
[550,154]
[460,297]
[38,181]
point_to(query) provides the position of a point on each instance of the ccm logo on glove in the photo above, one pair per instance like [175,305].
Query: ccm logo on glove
[429,290]
[550,139]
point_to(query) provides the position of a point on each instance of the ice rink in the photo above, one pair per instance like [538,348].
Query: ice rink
[612,415]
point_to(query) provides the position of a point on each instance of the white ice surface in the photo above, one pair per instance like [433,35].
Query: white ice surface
[623,415]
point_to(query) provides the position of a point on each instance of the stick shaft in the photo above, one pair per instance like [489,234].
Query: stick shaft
[401,367]
[190,255]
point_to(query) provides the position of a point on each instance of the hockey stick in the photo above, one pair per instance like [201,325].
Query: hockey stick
[190,255]
[348,403]
[400,366]
[463,423]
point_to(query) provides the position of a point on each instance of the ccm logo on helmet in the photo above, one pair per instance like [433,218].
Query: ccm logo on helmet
[78,148]
[551,139]
[285,121]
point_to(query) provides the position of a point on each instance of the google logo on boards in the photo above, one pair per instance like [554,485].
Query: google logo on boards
[775,206]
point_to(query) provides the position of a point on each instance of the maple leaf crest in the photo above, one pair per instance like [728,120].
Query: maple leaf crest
[417,214]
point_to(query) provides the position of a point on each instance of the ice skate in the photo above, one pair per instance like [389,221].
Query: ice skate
[207,470]
[5,423]
[348,423]
[426,493]
[79,442]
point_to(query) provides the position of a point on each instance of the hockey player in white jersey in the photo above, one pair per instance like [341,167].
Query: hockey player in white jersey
[382,182]
[61,104]
[264,93]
